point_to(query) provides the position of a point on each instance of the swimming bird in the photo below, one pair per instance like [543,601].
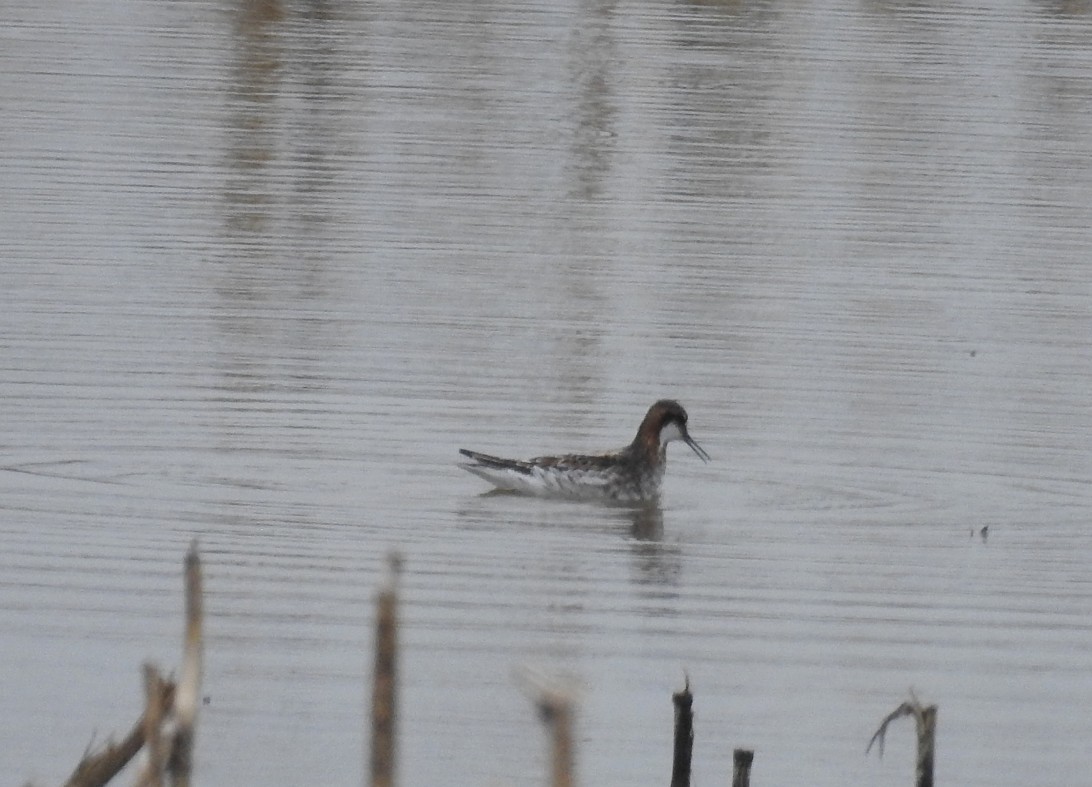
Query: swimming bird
[631,475]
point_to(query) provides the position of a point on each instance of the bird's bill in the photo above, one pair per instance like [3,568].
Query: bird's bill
[697,449]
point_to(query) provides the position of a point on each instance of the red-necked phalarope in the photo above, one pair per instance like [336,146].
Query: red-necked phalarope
[631,475]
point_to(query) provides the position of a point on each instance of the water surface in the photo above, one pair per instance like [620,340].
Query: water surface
[265,267]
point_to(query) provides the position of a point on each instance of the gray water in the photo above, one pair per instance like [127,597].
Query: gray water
[265,267]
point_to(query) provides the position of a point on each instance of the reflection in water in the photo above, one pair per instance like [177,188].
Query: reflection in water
[655,562]
[592,61]
[277,287]
[648,522]
[253,143]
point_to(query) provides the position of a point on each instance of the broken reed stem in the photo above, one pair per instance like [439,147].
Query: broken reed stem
[187,698]
[741,767]
[385,679]
[557,712]
[925,720]
[684,736]
[95,770]
[154,711]
[927,729]
[162,700]
[554,697]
